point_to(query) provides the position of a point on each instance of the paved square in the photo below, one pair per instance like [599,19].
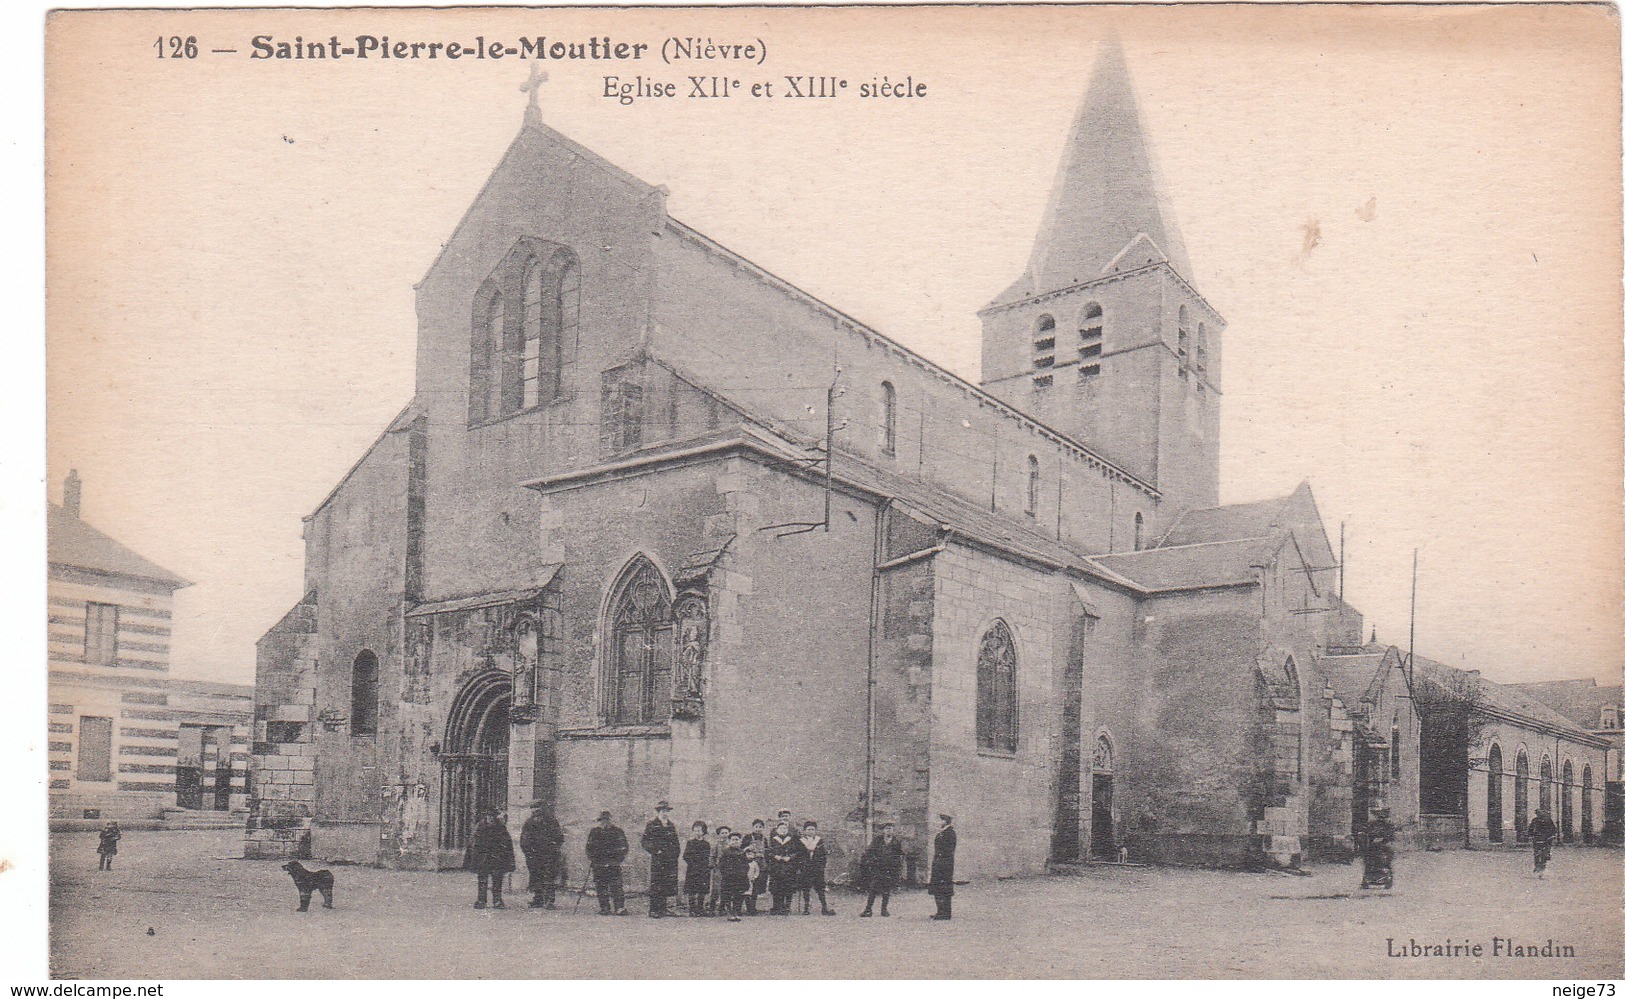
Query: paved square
[213,916]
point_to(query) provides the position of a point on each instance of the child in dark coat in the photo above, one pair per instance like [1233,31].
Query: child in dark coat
[814,861]
[734,867]
[697,869]
[107,848]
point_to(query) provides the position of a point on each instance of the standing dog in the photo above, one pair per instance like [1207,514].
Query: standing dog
[308,881]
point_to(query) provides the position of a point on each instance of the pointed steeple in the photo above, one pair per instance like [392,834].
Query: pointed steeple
[1106,193]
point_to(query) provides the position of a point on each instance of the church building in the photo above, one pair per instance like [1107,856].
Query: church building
[659,524]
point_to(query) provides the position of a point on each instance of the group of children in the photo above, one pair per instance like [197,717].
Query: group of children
[724,878]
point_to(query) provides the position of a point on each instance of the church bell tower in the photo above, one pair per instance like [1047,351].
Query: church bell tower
[1104,337]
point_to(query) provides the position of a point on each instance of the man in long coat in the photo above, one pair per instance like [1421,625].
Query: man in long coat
[664,847]
[489,856]
[606,848]
[540,841]
[882,868]
[1542,833]
[942,868]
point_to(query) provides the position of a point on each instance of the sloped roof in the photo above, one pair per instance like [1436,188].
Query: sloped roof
[1580,701]
[1189,567]
[1106,193]
[70,542]
[1357,676]
[1503,698]
[1225,523]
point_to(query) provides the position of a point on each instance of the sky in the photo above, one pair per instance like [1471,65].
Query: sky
[1410,219]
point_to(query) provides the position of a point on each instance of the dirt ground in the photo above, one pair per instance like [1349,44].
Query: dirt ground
[214,916]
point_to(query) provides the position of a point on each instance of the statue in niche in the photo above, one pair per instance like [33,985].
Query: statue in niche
[693,634]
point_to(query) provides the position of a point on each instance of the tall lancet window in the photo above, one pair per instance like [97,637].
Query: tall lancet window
[1184,350]
[490,382]
[996,690]
[1201,356]
[1032,485]
[888,418]
[1139,530]
[530,357]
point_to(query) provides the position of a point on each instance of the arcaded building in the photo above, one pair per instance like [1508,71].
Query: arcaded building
[659,524]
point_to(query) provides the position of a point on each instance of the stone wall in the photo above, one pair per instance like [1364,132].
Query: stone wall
[282,795]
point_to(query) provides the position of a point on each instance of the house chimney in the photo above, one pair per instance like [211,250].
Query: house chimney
[70,493]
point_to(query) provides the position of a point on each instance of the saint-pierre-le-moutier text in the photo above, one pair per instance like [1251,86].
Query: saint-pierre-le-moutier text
[536,47]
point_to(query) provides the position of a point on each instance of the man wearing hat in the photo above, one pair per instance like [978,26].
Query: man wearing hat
[664,846]
[942,867]
[540,841]
[606,848]
[882,868]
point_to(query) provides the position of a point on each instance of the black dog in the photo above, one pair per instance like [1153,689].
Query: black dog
[309,881]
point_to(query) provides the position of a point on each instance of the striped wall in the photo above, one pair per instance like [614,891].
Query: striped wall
[151,713]
[143,620]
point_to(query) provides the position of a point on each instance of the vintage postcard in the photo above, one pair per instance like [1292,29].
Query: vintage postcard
[865,492]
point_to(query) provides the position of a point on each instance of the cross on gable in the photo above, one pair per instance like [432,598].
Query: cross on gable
[533,86]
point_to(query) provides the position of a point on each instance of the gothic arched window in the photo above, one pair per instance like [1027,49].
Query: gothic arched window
[1492,803]
[639,659]
[1393,750]
[888,418]
[1032,485]
[1586,827]
[996,690]
[1565,801]
[1520,798]
[364,694]
[1201,354]
[1139,531]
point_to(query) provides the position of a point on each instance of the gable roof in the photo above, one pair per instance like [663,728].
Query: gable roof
[1358,677]
[72,543]
[1580,701]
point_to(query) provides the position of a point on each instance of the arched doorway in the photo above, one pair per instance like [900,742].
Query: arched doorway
[474,761]
[1546,784]
[1492,817]
[1587,833]
[1565,800]
[1520,799]
[1102,842]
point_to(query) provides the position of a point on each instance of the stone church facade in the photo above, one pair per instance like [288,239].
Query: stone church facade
[606,555]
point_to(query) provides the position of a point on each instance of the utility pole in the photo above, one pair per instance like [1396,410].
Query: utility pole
[1342,559]
[1411,658]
